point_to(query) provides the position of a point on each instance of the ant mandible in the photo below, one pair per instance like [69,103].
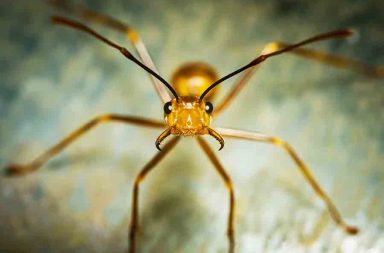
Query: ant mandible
[190,113]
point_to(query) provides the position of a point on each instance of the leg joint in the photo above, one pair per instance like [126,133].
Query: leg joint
[272,47]
[101,118]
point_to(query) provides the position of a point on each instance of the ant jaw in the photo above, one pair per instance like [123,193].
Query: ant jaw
[162,136]
[174,131]
[217,136]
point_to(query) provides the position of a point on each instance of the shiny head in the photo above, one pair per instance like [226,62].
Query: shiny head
[188,116]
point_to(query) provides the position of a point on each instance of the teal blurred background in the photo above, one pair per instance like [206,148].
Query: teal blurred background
[54,79]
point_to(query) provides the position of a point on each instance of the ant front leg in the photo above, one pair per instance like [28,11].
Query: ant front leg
[246,135]
[228,183]
[135,194]
[18,169]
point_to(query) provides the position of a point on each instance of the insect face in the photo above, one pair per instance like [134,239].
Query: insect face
[188,116]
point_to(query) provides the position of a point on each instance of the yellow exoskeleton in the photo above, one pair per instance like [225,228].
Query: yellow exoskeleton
[188,109]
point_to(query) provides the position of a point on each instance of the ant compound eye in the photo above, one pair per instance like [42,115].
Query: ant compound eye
[208,107]
[168,107]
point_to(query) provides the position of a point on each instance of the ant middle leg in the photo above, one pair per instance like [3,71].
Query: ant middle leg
[18,169]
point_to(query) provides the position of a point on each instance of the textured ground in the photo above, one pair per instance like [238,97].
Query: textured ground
[54,79]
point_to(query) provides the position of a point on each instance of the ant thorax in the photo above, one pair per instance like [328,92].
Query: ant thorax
[189,116]
[192,79]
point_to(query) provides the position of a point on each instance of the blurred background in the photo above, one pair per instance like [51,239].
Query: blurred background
[54,79]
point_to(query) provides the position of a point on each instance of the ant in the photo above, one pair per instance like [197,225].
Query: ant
[189,112]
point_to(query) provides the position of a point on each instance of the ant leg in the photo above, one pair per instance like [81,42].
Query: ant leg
[238,86]
[332,60]
[135,194]
[131,34]
[228,183]
[81,27]
[18,169]
[253,136]
[325,58]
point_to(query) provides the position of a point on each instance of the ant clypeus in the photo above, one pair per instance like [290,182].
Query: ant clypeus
[190,112]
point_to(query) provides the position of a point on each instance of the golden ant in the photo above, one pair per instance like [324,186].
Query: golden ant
[190,112]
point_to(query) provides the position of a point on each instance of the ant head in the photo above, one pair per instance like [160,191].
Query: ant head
[188,116]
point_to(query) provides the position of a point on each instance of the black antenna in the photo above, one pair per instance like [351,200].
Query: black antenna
[77,25]
[263,57]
